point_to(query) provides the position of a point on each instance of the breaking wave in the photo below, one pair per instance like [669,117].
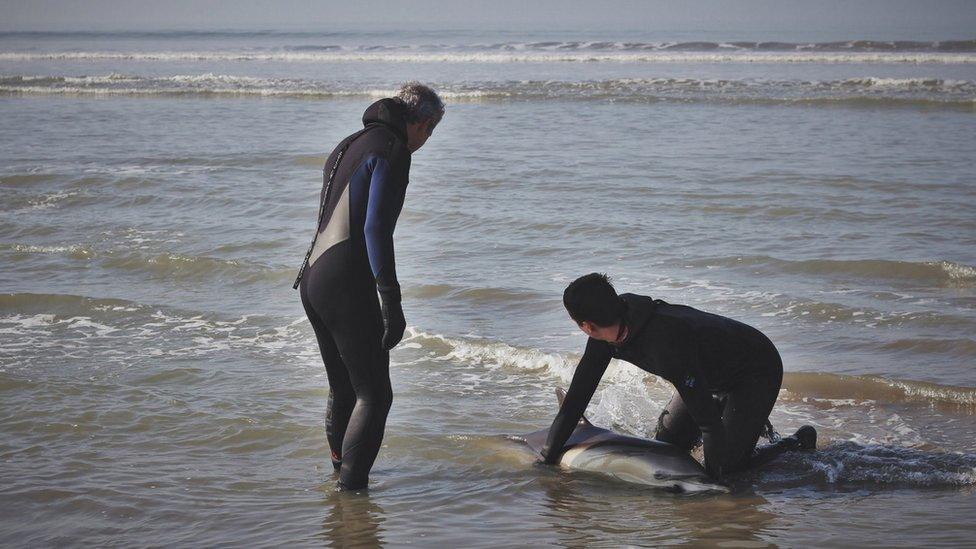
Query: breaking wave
[797,385]
[162,265]
[803,385]
[70,327]
[544,45]
[934,91]
[61,329]
[923,273]
[528,55]
[852,464]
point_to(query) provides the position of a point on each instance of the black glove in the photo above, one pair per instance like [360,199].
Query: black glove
[393,322]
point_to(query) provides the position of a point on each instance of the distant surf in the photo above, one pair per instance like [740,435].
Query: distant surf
[325,54]
[867,90]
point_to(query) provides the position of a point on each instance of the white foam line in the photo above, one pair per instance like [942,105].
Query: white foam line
[491,57]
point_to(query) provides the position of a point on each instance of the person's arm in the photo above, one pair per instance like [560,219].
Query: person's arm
[382,211]
[588,373]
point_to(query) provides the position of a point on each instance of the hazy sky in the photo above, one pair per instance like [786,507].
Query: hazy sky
[897,18]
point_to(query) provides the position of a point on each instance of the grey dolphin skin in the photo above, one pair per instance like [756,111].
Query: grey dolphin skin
[631,459]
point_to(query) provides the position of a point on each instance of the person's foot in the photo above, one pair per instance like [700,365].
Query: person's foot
[807,437]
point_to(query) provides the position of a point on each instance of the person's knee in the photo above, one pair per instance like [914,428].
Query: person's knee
[661,431]
[686,441]
[340,404]
[385,399]
[738,463]
[379,398]
[686,438]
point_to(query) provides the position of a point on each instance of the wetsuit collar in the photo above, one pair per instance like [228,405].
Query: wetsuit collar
[620,333]
[621,339]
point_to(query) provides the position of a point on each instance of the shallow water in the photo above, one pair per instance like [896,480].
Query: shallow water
[161,385]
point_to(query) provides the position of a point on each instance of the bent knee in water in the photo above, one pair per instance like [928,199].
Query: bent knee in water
[685,437]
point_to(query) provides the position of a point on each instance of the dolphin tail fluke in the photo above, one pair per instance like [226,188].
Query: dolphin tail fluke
[561,396]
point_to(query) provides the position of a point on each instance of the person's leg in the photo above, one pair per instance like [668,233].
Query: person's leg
[805,438]
[675,425]
[358,336]
[746,412]
[342,397]
[747,408]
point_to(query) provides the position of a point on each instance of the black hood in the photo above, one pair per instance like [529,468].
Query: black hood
[637,313]
[388,112]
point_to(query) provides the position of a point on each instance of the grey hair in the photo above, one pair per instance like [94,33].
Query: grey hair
[422,103]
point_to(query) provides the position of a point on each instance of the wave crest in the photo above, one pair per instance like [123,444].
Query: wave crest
[797,386]
[529,54]
[929,91]
[942,273]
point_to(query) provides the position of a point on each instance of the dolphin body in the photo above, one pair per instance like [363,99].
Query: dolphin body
[631,459]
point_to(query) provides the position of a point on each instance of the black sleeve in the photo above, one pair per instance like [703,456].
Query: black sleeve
[588,373]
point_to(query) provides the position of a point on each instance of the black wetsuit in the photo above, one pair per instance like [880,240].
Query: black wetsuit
[352,258]
[727,375]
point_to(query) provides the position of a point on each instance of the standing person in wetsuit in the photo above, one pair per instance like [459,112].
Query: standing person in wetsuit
[726,374]
[348,281]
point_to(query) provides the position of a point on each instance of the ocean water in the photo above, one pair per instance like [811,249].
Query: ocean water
[161,386]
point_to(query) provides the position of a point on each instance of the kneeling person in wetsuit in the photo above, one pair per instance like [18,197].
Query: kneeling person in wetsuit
[727,374]
[350,260]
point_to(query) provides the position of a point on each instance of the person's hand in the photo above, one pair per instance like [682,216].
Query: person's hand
[393,322]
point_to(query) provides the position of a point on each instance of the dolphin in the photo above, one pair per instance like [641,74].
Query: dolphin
[630,459]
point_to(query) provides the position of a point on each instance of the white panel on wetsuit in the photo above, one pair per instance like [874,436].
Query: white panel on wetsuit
[336,230]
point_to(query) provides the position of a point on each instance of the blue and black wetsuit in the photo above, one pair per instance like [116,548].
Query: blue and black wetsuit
[350,260]
[727,377]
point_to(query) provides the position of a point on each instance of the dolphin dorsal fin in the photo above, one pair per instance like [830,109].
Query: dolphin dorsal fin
[561,396]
